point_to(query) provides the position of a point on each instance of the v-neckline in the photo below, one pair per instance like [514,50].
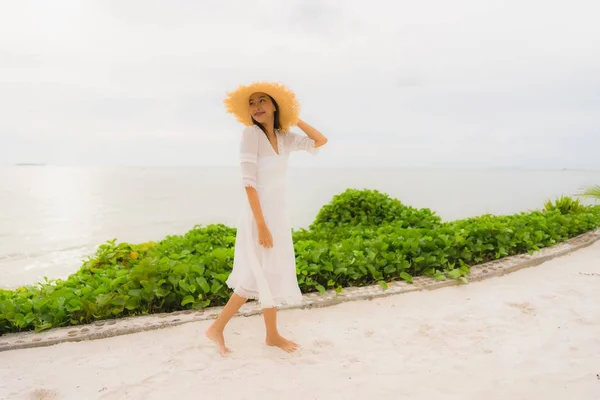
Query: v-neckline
[275,150]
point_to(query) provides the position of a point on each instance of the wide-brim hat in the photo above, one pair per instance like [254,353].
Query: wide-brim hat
[237,104]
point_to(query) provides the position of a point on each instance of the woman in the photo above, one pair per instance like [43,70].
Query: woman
[264,266]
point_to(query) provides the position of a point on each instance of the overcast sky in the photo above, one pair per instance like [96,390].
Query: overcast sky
[413,83]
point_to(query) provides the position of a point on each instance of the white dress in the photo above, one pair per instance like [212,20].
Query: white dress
[267,274]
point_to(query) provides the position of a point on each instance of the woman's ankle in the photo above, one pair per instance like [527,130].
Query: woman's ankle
[273,334]
[217,326]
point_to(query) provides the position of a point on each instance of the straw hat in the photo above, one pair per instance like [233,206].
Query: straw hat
[236,102]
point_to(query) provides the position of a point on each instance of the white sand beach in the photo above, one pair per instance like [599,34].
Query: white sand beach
[534,334]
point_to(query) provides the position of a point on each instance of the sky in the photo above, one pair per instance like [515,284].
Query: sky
[433,83]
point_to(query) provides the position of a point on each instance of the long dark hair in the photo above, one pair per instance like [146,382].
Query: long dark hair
[276,122]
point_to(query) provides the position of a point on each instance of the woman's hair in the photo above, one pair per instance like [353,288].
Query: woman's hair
[276,122]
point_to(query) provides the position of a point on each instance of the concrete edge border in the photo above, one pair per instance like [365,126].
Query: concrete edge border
[124,326]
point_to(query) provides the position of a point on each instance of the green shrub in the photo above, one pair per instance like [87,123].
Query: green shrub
[391,252]
[187,271]
[343,247]
[564,204]
[372,208]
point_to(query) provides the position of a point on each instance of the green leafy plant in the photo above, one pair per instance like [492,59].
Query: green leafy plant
[372,208]
[360,238]
[564,204]
[592,192]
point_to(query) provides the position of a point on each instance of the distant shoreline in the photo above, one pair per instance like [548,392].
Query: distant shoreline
[328,168]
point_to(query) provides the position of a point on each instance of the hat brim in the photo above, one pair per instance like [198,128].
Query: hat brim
[237,104]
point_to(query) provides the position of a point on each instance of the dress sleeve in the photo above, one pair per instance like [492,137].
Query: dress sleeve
[302,142]
[249,156]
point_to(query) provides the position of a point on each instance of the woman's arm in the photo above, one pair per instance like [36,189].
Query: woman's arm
[265,238]
[312,133]
[248,162]
[254,201]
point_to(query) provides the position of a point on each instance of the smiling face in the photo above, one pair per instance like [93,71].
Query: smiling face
[262,108]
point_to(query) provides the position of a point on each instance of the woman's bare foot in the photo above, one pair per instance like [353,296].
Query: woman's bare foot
[216,336]
[282,343]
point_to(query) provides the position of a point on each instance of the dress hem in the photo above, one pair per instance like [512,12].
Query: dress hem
[255,295]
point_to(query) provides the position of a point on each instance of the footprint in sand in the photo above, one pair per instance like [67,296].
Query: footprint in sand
[525,308]
[191,349]
[425,329]
[322,343]
[44,394]
[318,348]
[136,390]
[349,363]
[175,362]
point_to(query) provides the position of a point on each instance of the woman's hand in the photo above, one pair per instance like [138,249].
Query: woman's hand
[265,238]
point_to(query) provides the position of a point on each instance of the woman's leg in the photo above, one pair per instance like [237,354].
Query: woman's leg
[215,331]
[273,336]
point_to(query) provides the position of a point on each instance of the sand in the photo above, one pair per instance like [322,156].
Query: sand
[534,334]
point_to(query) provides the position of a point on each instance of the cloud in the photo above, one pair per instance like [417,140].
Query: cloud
[428,83]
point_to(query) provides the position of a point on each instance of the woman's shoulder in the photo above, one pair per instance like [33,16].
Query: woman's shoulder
[287,135]
[250,129]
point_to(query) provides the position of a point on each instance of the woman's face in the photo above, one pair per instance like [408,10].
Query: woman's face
[261,108]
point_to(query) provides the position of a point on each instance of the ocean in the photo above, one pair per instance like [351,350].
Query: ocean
[52,218]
